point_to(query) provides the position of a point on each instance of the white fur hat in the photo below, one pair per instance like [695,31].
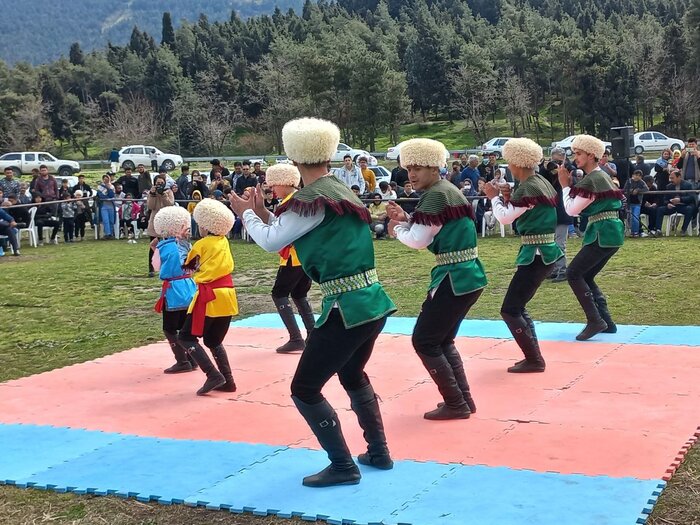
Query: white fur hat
[77,194]
[310,140]
[213,216]
[589,144]
[282,175]
[523,152]
[170,221]
[422,152]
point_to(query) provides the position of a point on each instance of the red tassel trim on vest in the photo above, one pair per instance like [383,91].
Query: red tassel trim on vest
[206,295]
[587,194]
[449,213]
[527,201]
[306,209]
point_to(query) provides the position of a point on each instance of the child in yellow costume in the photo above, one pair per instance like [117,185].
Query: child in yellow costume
[214,303]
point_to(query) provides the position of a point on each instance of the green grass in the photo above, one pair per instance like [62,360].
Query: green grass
[67,304]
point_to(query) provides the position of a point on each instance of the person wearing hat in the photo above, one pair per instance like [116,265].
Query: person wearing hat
[533,204]
[283,179]
[172,224]
[598,199]
[328,225]
[443,222]
[214,303]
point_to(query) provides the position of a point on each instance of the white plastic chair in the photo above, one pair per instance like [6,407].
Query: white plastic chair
[671,218]
[483,225]
[30,229]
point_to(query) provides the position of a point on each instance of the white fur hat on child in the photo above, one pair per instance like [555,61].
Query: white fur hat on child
[170,221]
[282,175]
[213,216]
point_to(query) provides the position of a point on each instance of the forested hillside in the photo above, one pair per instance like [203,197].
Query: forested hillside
[370,67]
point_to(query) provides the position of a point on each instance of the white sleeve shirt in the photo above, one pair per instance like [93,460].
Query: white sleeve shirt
[506,213]
[574,206]
[416,236]
[280,231]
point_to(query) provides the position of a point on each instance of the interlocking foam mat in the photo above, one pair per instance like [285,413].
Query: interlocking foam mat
[590,441]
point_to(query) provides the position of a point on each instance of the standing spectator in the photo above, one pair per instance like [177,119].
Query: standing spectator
[45,216]
[470,172]
[158,197]
[153,157]
[46,185]
[106,208]
[9,185]
[216,165]
[183,183]
[650,205]
[683,203]
[218,182]
[68,211]
[128,182]
[488,171]
[84,188]
[550,170]
[463,161]
[199,185]
[688,163]
[144,178]
[114,160]
[368,175]
[399,175]
[635,188]
[662,169]
[237,173]
[258,172]
[455,175]
[35,176]
[641,166]
[82,211]
[246,180]
[608,167]
[351,175]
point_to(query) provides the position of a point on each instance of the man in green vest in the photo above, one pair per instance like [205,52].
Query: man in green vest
[597,198]
[327,223]
[443,222]
[533,204]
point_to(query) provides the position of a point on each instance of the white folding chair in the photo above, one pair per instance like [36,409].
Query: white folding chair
[483,225]
[31,233]
[671,218]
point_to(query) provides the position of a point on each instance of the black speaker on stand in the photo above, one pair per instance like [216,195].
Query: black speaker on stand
[622,140]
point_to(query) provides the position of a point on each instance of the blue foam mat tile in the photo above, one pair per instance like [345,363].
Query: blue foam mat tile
[669,335]
[568,331]
[151,468]
[274,487]
[27,449]
[473,495]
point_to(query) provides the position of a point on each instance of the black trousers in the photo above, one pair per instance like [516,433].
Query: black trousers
[174,320]
[439,319]
[588,263]
[47,222]
[80,221]
[215,329]
[524,285]
[687,210]
[333,349]
[150,256]
[291,280]
[68,227]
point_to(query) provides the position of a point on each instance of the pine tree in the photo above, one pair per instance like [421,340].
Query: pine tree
[76,55]
[168,36]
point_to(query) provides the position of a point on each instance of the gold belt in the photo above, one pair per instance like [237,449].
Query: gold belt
[537,238]
[350,283]
[469,254]
[602,216]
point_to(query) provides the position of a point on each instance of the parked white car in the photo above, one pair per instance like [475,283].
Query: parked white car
[26,161]
[655,141]
[381,174]
[565,144]
[394,152]
[495,145]
[132,156]
[344,149]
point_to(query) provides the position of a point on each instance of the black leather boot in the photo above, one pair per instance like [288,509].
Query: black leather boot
[182,364]
[296,342]
[306,313]
[221,358]
[524,335]
[325,425]
[214,377]
[602,305]
[455,360]
[364,404]
[594,322]
[441,372]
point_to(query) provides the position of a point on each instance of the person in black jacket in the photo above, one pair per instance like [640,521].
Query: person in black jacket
[650,205]
[683,203]
[129,183]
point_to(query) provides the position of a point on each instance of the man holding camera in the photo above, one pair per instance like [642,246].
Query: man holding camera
[688,164]
[158,197]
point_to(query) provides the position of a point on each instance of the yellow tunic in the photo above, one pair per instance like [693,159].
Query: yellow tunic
[215,261]
[292,251]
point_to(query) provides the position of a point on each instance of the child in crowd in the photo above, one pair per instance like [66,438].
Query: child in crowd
[81,211]
[172,224]
[214,303]
[635,188]
[68,211]
[196,197]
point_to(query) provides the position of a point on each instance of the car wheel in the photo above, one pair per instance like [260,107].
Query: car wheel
[65,171]
[674,147]
[17,172]
[567,151]
[497,153]
[168,164]
[639,150]
[127,164]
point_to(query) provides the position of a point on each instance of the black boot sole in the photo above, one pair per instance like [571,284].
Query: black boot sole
[211,384]
[381,463]
[444,413]
[591,330]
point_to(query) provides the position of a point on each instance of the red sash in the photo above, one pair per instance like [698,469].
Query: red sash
[160,303]
[285,252]
[206,294]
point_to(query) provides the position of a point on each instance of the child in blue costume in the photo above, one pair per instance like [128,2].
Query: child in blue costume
[172,224]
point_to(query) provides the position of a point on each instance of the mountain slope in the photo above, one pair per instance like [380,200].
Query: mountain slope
[40,31]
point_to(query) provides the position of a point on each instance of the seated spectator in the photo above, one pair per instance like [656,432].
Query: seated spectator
[386,192]
[635,188]
[683,203]
[455,175]
[377,211]
[355,189]
[650,205]
[8,227]
[641,166]
[20,215]
[46,216]
[483,205]
[24,196]
[409,193]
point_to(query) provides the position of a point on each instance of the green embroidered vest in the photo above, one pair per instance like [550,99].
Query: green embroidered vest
[537,225]
[339,254]
[604,224]
[455,244]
